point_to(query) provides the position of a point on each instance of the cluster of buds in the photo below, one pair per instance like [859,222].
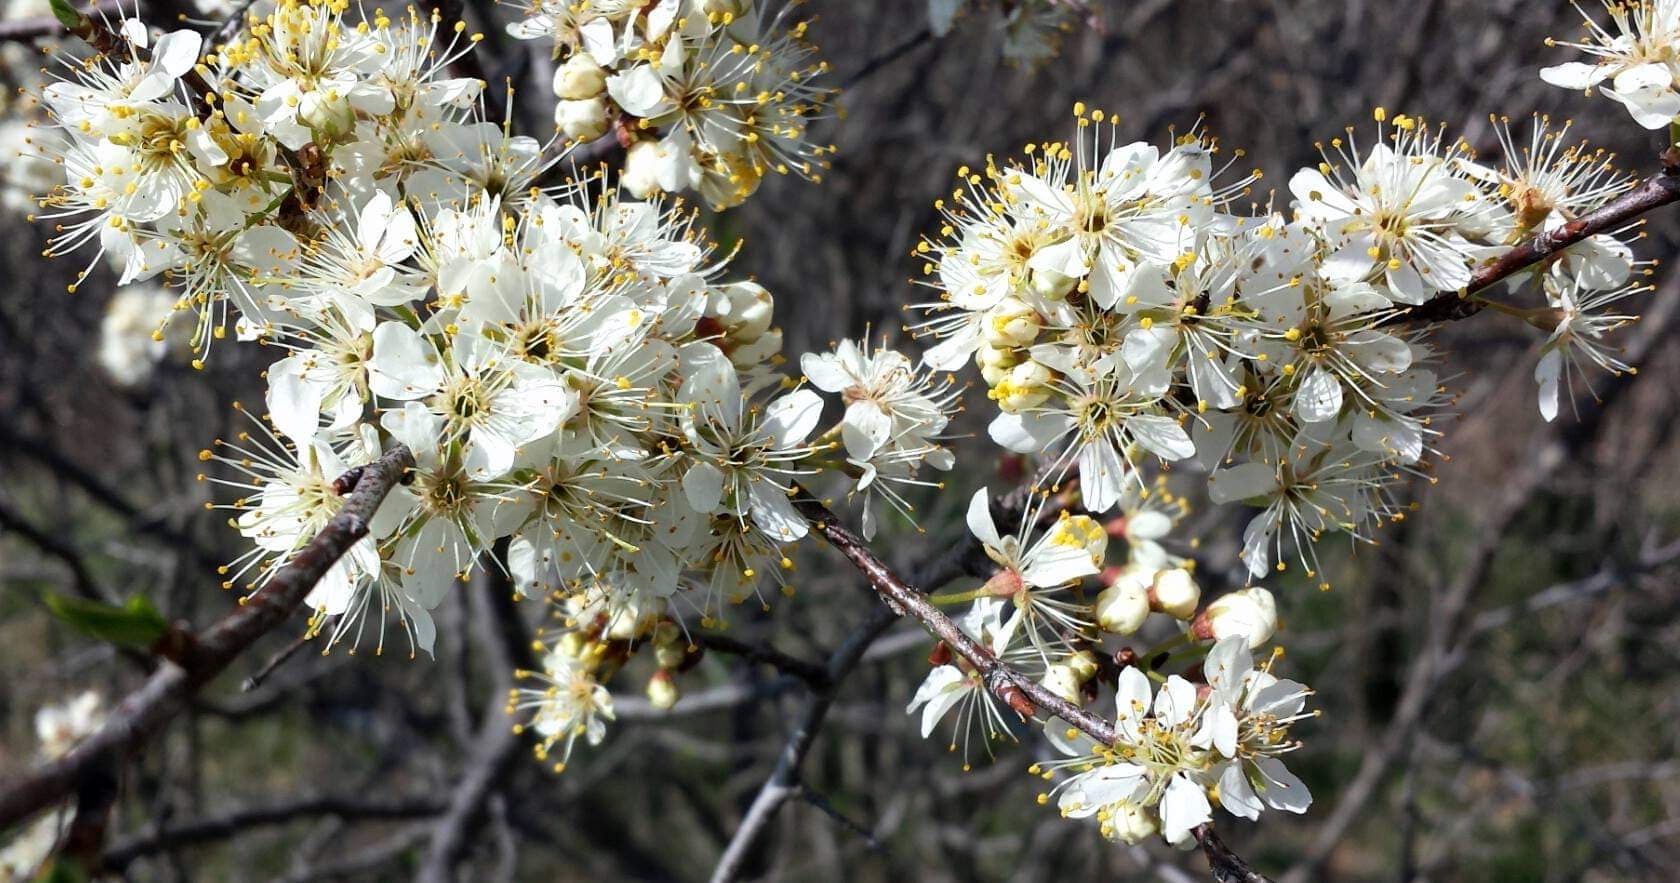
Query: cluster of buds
[707,95]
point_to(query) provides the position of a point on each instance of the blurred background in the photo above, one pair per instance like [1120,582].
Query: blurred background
[1499,677]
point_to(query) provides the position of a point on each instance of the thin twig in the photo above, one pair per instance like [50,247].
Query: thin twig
[145,711]
[240,820]
[1020,692]
[1654,192]
[274,662]
[809,672]
[1227,866]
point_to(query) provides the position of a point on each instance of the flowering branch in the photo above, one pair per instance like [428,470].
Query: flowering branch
[1654,192]
[148,709]
[1020,692]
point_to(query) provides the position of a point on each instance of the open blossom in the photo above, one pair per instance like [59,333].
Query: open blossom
[956,686]
[1394,214]
[1579,318]
[1178,747]
[1633,62]
[1033,572]
[714,94]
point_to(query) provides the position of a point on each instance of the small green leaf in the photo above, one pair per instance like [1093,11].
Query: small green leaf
[135,624]
[66,14]
[61,870]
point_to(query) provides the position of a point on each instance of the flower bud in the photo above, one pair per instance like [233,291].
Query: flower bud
[669,655]
[1051,285]
[1025,387]
[579,78]
[1123,606]
[584,120]
[1011,324]
[662,690]
[750,309]
[641,169]
[1251,613]
[1175,593]
[1062,680]
[326,113]
[1083,665]
[1126,822]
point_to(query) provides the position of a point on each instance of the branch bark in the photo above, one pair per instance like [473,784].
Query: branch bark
[1654,192]
[147,710]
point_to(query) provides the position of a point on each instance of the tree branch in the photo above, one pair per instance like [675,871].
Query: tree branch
[810,672]
[1654,192]
[1016,689]
[238,820]
[145,711]
[1227,866]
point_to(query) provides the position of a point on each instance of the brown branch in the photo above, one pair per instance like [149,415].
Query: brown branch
[809,672]
[1016,689]
[496,746]
[1227,866]
[145,711]
[1654,192]
[236,821]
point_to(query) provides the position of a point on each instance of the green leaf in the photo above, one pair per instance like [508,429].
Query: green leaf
[135,624]
[66,14]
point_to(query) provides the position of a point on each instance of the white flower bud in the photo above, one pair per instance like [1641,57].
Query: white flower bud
[584,120]
[751,310]
[1061,680]
[1011,324]
[1127,822]
[1251,613]
[1051,285]
[1176,593]
[662,690]
[1083,665]
[579,78]
[996,357]
[641,169]
[1123,606]
[328,115]
[1025,387]
[669,655]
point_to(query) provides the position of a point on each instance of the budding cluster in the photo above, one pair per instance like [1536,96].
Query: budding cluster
[708,95]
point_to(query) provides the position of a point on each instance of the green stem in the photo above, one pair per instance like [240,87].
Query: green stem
[952,598]
[1178,640]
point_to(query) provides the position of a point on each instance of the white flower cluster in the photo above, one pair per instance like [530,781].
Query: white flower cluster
[567,364]
[1032,29]
[58,728]
[1634,60]
[708,95]
[1030,614]
[1178,745]
[1117,308]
